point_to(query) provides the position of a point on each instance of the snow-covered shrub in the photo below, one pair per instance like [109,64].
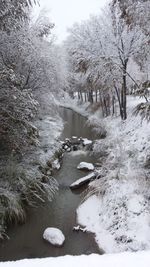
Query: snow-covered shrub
[11,206]
[36,188]
[18,107]
[20,188]
[143,109]
[97,127]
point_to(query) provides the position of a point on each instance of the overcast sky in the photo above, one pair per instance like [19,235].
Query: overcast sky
[66,12]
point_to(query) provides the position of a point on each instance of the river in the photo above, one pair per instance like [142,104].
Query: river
[26,240]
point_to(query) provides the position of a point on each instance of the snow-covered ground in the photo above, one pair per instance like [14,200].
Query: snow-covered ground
[117,209]
[50,128]
[116,260]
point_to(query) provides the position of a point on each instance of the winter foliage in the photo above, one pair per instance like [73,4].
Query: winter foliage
[29,79]
[104,62]
[101,52]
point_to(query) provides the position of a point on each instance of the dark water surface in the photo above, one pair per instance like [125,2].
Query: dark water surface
[26,240]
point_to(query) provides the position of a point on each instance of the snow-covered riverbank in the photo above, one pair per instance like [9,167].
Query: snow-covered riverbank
[117,210]
[116,260]
[27,178]
[118,213]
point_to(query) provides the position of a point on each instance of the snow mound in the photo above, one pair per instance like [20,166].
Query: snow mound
[86,166]
[54,236]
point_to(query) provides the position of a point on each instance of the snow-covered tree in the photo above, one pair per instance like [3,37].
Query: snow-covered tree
[28,79]
[14,11]
[102,48]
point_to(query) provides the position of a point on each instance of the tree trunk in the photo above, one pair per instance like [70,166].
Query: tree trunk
[81,97]
[105,106]
[124,97]
[101,102]
[108,105]
[113,105]
[96,96]
[100,97]
[78,95]
[119,101]
[124,92]
[91,96]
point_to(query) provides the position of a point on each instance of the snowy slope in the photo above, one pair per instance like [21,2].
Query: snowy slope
[121,219]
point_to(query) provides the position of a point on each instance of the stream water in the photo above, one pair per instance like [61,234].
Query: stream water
[26,240]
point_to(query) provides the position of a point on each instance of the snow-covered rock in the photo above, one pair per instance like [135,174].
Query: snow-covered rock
[83,180]
[54,236]
[56,164]
[76,228]
[79,228]
[86,166]
[86,142]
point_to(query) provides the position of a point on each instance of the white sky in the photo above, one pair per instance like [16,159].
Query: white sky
[66,12]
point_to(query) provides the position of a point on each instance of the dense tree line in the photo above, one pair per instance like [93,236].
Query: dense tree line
[28,78]
[108,56]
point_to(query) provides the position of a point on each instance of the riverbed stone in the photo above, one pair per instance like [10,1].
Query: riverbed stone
[86,166]
[75,148]
[54,236]
[66,147]
[75,140]
[56,164]
[86,141]
[84,180]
